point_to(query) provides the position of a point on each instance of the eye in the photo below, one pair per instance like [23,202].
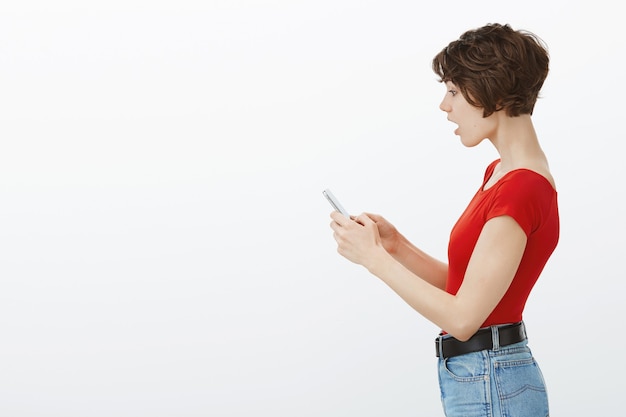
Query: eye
[453,92]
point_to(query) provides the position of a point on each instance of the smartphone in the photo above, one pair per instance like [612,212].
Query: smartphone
[335,203]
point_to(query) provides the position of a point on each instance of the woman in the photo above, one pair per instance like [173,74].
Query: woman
[499,245]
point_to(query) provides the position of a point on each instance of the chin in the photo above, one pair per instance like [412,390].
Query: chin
[470,143]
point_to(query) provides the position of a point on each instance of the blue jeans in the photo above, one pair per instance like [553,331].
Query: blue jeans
[504,381]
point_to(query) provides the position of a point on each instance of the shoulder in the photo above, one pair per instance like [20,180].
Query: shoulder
[530,179]
[525,195]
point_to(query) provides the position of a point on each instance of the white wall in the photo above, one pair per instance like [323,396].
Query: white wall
[164,242]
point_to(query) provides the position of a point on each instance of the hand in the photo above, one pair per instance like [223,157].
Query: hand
[358,239]
[389,235]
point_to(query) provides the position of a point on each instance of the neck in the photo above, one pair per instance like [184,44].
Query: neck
[517,143]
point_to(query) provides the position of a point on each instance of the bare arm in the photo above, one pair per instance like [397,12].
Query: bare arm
[491,269]
[411,257]
[421,264]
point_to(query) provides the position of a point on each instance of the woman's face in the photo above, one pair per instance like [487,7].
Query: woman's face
[472,126]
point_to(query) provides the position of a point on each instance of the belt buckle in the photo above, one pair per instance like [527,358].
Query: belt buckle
[439,346]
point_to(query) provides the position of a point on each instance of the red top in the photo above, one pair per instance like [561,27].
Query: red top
[531,201]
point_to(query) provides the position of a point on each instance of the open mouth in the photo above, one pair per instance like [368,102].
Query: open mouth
[456,131]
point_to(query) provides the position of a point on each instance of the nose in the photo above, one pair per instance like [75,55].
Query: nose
[444,106]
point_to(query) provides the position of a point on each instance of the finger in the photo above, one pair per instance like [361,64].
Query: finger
[375,217]
[363,219]
[339,218]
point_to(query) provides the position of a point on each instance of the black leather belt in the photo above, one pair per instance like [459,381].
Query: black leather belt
[482,339]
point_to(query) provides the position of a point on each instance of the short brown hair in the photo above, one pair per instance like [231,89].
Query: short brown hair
[496,68]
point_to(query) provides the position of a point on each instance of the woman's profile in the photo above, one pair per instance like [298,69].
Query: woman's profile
[499,245]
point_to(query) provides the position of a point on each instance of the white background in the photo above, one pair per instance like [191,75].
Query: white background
[164,243]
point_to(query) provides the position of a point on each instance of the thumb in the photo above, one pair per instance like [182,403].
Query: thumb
[375,217]
[363,219]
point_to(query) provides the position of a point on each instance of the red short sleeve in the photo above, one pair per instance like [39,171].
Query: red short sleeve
[524,195]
